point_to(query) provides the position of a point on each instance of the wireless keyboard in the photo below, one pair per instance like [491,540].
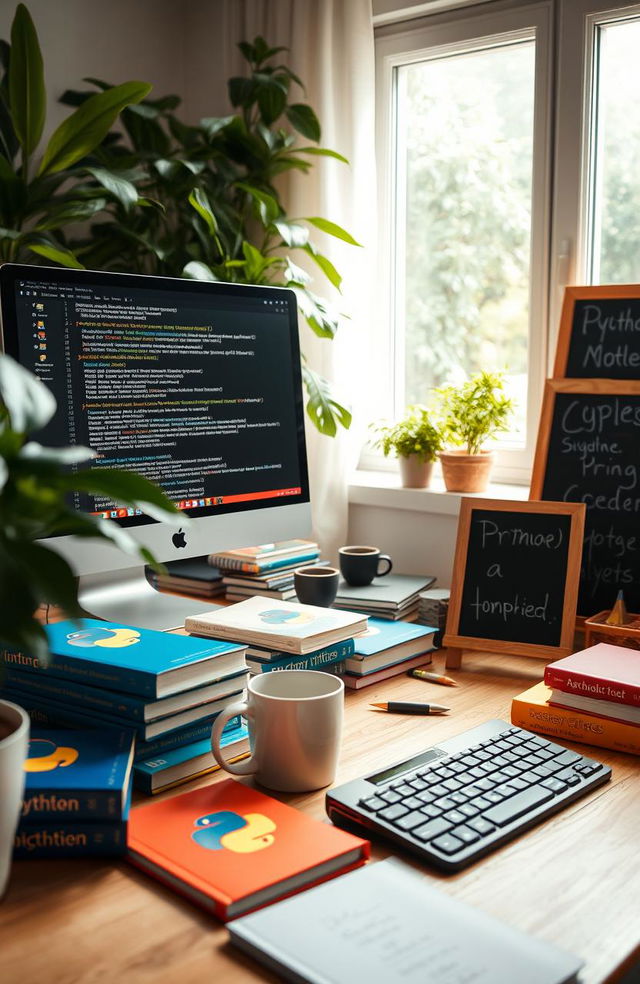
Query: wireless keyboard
[456,802]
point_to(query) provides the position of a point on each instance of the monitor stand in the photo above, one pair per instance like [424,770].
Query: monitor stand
[127,597]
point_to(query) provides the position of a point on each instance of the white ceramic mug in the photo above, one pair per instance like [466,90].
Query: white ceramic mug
[295,728]
[14,745]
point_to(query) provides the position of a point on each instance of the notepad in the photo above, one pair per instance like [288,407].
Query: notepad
[385,924]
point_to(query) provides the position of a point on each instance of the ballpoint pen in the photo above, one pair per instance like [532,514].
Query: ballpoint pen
[433,677]
[406,707]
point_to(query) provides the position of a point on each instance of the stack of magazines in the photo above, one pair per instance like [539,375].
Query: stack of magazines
[265,570]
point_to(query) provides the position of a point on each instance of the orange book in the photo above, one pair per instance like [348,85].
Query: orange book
[233,849]
[531,710]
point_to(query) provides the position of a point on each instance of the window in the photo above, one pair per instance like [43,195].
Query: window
[477,248]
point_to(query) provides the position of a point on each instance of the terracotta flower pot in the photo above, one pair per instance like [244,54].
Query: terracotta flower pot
[466,472]
[415,473]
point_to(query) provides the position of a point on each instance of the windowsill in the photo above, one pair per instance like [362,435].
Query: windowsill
[379,488]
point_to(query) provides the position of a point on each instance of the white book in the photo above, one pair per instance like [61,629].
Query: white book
[282,625]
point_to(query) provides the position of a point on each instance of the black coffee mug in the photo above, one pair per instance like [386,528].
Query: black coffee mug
[359,565]
[316,585]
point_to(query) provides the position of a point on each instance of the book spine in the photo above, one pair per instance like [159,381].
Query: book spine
[54,688]
[84,671]
[591,686]
[311,661]
[176,739]
[64,805]
[575,726]
[68,711]
[70,840]
[251,567]
[300,663]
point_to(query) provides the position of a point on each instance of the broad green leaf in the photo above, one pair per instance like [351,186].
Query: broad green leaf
[333,230]
[322,408]
[304,120]
[59,254]
[66,213]
[127,487]
[35,453]
[121,189]
[271,102]
[28,401]
[295,274]
[322,321]
[292,233]
[213,124]
[27,94]
[88,125]
[241,91]
[322,152]
[325,265]
[196,270]
[268,207]
[199,201]
[51,576]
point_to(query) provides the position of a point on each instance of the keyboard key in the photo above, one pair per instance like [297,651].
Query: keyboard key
[402,789]
[390,796]
[439,790]
[431,829]
[413,803]
[481,803]
[444,803]
[418,783]
[455,816]
[466,834]
[453,785]
[373,803]
[410,821]
[393,812]
[569,776]
[568,758]
[448,844]
[554,785]
[459,798]
[469,810]
[431,811]
[481,826]
[426,796]
[519,783]
[517,806]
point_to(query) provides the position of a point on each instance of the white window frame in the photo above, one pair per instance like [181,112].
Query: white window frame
[440,35]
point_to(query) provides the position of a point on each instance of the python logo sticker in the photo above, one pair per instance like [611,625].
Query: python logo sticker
[280,616]
[45,756]
[111,638]
[240,834]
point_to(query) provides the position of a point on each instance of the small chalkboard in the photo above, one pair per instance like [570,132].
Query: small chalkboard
[599,334]
[589,451]
[515,577]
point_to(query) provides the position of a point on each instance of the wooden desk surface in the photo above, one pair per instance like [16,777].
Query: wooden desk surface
[574,880]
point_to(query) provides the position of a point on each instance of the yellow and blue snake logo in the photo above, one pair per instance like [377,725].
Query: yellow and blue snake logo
[240,834]
[112,638]
[45,756]
[280,616]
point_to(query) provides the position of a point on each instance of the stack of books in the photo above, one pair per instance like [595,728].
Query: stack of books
[387,649]
[394,596]
[592,696]
[286,635]
[433,608]
[77,794]
[167,689]
[194,576]
[265,570]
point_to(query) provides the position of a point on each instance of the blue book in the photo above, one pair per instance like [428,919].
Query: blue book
[136,661]
[264,661]
[51,714]
[133,710]
[57,696]
[188,762]
[69,840]
[386,643]
[77,775]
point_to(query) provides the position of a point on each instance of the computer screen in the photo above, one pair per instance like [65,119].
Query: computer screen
[195,385]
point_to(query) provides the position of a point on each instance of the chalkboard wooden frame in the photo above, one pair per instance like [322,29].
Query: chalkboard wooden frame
[573,294]
[455,642]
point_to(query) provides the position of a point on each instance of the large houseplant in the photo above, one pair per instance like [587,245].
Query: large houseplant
[472,414]
[415,440]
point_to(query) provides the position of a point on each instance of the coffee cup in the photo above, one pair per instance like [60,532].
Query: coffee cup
[316,585]
[359,565]
[295,728]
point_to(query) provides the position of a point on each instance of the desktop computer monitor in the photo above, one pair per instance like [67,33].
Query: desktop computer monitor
[195,385]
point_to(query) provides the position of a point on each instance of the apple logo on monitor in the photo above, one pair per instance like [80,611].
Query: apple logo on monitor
[178,539]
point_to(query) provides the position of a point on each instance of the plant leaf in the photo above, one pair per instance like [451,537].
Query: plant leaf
[325,265]
[121,189]
[28,98]
[59,254]
[51,576]
[200,202]
[213,124]
[292,233]
[322,152]
[35,453]
[267,206]
[88,125]
[196,270]
[332,229]
[324,411]
[126,487]
[304,120]
[28,401]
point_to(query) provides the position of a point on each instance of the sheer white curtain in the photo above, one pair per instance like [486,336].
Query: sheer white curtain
[330,46]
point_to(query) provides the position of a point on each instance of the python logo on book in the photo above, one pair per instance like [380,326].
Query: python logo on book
[231,848]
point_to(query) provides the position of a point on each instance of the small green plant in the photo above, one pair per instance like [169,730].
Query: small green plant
[416,433]
[35,483]
[474,412]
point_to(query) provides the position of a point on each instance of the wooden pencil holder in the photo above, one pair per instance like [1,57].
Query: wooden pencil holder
[596,630]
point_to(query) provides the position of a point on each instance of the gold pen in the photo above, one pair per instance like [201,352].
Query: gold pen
[433,677]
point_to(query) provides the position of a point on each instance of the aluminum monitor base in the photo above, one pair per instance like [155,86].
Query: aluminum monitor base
[127,597]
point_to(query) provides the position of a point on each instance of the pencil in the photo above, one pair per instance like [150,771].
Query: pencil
[406,707]
[433,677]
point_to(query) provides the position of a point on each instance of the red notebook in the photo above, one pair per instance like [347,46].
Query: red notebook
[232,849]
[604,672]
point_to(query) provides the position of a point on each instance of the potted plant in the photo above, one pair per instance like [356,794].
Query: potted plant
[471,415]
[415,440]
[34,484]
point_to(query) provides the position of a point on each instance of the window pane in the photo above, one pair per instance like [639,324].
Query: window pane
[616,234]
[464,182]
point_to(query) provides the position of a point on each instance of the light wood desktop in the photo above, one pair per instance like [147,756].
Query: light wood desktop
[574,880]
